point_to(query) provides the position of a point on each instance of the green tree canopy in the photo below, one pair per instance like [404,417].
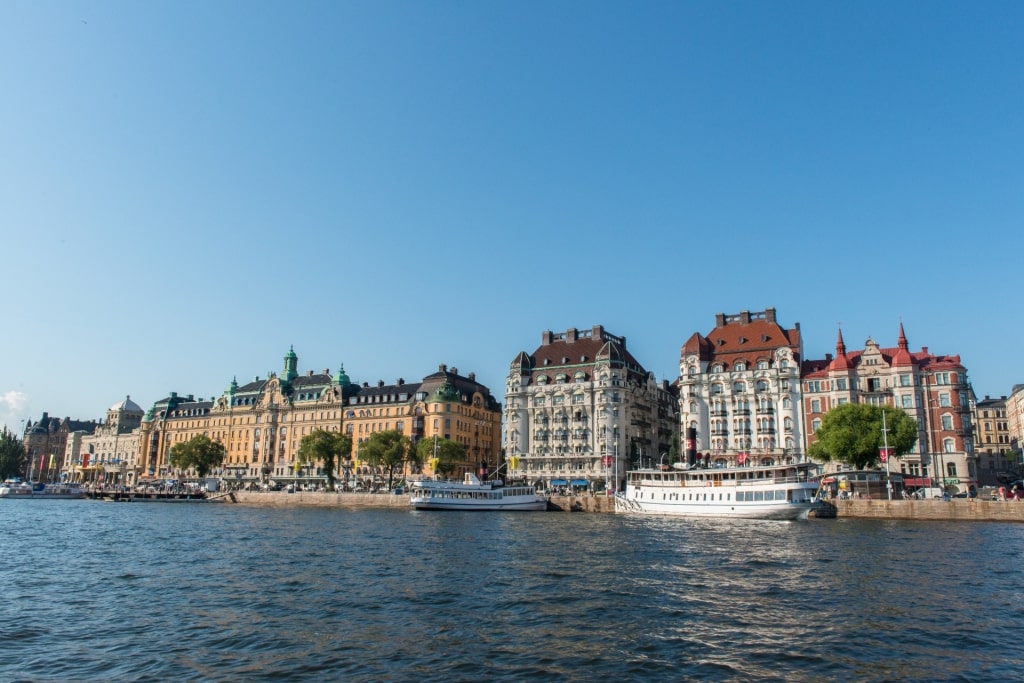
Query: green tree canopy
[327,448]
[12,455]
[198,452]
[449,455]
[852,433]
[388,450]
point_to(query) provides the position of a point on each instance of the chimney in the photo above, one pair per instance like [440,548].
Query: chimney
[545,337]
[744,317]
[769,314]
[472,377]
[828,357]
[455,371]
[719,319]
[380,383]
[570,335]
[442,368]
[401,381]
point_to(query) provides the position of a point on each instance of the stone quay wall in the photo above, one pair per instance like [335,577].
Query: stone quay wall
[958,509]
[386,500]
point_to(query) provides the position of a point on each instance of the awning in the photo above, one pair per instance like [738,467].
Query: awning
[559,482]
[580,482]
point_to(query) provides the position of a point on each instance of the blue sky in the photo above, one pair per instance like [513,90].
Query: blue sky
[189,188]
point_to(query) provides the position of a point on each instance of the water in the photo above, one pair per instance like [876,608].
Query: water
[157,592]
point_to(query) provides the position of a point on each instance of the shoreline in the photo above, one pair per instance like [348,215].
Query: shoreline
[965,510]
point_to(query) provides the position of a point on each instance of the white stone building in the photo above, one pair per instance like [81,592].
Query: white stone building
[739,388]
[580,411]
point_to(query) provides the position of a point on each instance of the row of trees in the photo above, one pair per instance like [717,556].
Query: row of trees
[389,450]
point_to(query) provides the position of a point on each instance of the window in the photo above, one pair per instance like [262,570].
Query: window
[841,384]
[717,367]
[944,400]
[577,398]
[947,421]
[786,403]
[814,386]
[740,367]
[908,401]
[816,406]
[815,425]
[762,365]
[904,380]
[948,445]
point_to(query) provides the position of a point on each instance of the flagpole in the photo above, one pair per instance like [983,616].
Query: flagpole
[885,445]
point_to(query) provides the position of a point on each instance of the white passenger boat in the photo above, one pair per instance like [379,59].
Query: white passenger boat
[16,489]
[473,494]
[752,492]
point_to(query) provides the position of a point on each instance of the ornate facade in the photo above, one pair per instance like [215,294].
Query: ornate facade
[739,388]
[931,388]
[110,452]
[262,422]
[580,411]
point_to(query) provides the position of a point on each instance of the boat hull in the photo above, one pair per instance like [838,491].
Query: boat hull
[433,504]
[782,511]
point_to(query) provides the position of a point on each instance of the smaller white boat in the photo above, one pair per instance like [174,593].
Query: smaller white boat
[17,489]
[473,494]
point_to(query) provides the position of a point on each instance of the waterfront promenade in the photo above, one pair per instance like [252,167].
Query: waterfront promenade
[958,509]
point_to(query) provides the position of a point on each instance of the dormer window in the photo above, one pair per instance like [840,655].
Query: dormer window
[740,367]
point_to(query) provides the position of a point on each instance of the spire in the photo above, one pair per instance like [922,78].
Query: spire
[902,356]
[291,362]
[840,362]
[341,378]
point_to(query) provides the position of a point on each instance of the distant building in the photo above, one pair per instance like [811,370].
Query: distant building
[931,388]
[1015,423]
[997,463]
[110,452]
[46,442]
[739,388]
[581,411]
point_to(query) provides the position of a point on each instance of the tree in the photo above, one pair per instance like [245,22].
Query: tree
[199,452]
[327,448]
[447,456]
[389,450]
[12,455]
[852,433]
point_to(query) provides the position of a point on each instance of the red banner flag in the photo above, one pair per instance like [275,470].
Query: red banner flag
[884,453]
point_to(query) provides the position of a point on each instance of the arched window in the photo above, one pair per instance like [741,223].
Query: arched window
[948,445]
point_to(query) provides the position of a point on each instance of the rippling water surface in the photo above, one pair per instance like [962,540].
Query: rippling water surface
[155,592]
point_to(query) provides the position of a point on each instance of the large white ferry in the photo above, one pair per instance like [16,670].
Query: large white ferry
[473,494]
[754,492]
[17,489]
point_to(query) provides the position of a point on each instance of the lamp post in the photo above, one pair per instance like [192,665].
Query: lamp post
[615,456]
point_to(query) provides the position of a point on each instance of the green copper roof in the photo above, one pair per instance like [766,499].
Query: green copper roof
[445,393]
[341,378]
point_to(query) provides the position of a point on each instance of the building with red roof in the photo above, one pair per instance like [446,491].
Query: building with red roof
[739,388]
[931,388]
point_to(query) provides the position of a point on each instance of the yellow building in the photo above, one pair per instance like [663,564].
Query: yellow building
[261,423]
[444,404]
